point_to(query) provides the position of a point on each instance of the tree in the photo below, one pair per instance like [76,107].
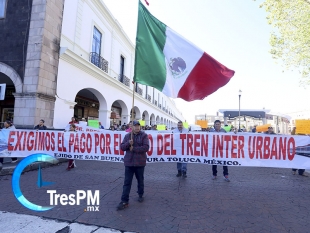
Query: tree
[291,41]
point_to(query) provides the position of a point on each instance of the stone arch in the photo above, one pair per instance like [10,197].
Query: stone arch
[157,120]
[100,98]
[152,119]
[93,103]
[13,75]
[124,117]
[137,113]
[146,117]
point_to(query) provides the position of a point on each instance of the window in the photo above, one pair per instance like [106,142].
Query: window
[121,69]
[146,92]
[96,41]
[2,8]
[158,98]
[96,47]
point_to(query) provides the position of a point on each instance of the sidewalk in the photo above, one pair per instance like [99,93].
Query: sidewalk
[29,224]
[7,168]
[257,199]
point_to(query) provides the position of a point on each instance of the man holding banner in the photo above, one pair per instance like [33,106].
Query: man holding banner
[270,130]
[182,167]
[135,144]
[218,129]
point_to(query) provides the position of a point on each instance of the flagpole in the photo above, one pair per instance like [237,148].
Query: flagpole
[132,117]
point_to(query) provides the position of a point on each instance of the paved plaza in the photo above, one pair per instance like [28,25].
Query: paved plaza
[256,199]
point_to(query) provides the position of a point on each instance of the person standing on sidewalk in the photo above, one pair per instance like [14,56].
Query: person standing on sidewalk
[71,162]
[218,129]
[135,145]
[301,172]
[8,125]
[182,167]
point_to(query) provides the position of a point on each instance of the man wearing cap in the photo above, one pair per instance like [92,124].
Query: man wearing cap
[135,144]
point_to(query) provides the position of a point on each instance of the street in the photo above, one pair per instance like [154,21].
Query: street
[256,199]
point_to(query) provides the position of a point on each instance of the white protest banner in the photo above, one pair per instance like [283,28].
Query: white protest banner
[246,149]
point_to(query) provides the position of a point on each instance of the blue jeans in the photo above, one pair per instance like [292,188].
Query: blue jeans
[225,170]
[182,167]
[129,172]
[300,171]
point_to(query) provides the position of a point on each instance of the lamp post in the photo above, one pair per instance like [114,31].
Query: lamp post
[239,109]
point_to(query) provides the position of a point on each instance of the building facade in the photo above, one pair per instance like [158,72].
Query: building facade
[77,62]
[29,59]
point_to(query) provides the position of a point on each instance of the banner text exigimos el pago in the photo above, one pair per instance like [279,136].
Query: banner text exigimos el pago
[245,149]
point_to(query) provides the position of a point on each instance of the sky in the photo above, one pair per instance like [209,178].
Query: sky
[235,33]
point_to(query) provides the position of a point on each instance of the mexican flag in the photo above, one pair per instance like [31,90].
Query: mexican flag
[176,67]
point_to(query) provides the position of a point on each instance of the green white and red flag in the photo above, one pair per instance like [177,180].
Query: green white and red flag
[173,65]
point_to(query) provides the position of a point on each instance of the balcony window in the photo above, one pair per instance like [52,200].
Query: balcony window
[99,61]
[123,79]
[96,48]
[94,56]
[2,8]
[121,68]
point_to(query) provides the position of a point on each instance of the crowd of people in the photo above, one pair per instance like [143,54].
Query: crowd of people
[136,144]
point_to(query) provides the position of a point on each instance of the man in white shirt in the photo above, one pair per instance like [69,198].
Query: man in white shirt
[182,167]
[218,129]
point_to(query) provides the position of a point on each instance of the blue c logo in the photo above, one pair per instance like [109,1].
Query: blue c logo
[16,177]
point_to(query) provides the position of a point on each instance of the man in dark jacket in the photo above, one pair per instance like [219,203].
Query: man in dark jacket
[270,130]
[135,144]
[218,129]
[40,126]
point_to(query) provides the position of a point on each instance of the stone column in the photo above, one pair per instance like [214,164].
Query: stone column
[64,111]
[147,121]
[39,88]
[30,108]
[104,118]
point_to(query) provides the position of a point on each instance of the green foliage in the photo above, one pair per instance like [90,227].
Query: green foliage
[291,41]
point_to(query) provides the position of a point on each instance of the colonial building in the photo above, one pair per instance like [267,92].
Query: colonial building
[71,58]
[29,59]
